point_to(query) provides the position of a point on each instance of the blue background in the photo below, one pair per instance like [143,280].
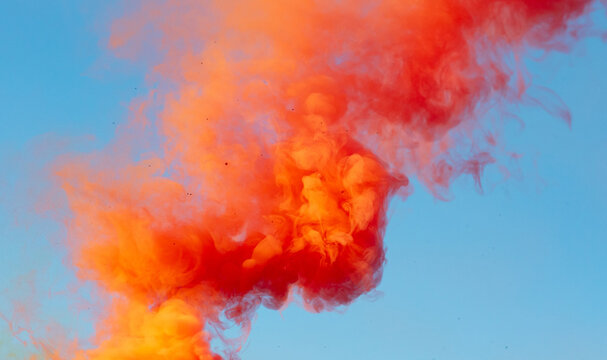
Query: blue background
[516,273]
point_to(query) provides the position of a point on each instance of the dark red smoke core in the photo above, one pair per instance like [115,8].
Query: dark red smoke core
[285,129]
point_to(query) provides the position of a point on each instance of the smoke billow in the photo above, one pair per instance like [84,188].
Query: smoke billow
[261,165]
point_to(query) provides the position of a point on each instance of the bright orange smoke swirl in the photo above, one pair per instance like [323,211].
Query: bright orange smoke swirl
[286,127]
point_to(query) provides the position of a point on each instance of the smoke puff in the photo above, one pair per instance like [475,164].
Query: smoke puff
[284,131]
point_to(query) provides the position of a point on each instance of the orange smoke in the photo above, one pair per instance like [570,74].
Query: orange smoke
[285,128]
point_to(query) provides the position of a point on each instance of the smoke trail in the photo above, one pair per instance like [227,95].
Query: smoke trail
[284,129]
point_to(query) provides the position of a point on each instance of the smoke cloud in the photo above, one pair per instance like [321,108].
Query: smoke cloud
[261,166]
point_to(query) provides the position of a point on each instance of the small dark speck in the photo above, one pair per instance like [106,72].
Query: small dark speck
[226,164]
[149,165]
[173,243]
[113,123]
[135,88]
[506,347]
[292,109]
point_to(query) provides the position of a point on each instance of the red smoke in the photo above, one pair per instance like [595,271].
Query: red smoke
[284,129]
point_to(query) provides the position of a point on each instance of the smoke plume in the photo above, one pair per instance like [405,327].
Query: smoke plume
[261,165]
